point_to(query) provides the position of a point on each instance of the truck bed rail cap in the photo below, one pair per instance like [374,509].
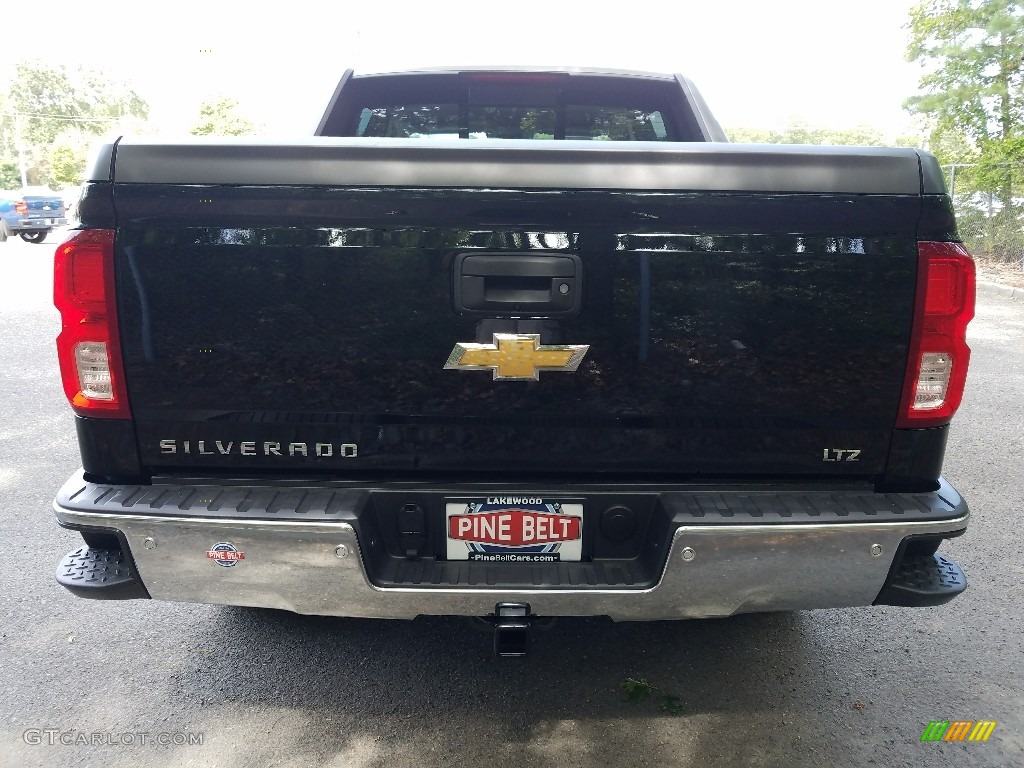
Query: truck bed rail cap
[522,164]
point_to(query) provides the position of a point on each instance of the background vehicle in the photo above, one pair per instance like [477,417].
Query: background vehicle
[589,360]
[31,213]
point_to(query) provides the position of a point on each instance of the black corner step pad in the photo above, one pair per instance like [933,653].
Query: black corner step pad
[100,574]
[922,581]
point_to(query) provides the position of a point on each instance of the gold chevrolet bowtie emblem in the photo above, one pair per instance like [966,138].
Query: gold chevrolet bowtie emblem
[516,357]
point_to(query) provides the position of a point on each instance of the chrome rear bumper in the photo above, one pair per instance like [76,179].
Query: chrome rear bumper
[319,568]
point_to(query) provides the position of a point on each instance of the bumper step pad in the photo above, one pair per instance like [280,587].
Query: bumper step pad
[100,574]
[922,581]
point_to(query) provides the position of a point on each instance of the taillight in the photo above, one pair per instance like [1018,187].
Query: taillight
[87,347]
[937,364]
[21,208]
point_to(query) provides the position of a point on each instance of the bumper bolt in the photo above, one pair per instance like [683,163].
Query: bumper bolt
[149,543]
[688,554]
[341,551]
[876,550]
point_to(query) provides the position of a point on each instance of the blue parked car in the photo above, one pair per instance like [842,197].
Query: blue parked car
[31,213]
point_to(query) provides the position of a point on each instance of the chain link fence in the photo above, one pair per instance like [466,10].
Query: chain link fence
[990,229]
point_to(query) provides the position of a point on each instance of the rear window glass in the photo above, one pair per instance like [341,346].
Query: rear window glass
[410,121]
[503,122]
[614,124]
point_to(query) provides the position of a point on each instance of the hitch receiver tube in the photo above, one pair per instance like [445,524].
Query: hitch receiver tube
[511,629]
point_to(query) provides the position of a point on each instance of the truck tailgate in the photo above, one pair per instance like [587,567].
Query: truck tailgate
[735,323]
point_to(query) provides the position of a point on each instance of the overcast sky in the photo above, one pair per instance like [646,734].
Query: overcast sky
[759,64]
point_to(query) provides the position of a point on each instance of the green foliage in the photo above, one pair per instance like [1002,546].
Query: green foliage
[972,93]
[952,146]
[221,117]
[52,100]
[801,133]
[67,159]
[670,704]
[44,96]
[45,101]
[10,176]
[973,87]
[973,53]
[636,690]
[67,165]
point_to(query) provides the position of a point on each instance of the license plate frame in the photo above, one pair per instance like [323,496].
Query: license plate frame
[514,528]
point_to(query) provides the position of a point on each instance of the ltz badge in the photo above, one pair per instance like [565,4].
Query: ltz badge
[516,357]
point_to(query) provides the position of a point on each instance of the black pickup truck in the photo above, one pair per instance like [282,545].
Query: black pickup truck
[513,344]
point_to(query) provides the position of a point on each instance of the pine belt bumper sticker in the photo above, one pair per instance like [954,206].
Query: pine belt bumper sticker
[514,529]
[225,553]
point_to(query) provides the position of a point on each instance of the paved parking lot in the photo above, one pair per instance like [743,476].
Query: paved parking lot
[819,688]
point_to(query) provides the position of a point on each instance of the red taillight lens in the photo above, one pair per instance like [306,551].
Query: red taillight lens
[88,347]
[939,355]
[21,208]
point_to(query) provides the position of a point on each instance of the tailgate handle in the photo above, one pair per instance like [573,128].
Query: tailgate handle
[499,284]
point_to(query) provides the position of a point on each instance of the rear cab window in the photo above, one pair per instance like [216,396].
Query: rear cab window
[543,107]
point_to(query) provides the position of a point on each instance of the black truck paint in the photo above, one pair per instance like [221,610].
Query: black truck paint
[286,311]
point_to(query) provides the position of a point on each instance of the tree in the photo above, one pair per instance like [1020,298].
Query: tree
[52,99]
[801,133]
[220,116]
[10,176]
[973,87]
[67,160]
[45,101]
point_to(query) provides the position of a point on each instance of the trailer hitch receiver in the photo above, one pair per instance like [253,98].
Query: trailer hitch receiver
[511,629]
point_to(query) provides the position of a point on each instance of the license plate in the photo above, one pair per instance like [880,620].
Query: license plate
[514,529]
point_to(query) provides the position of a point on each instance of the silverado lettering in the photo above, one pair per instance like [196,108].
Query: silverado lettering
[171,447]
